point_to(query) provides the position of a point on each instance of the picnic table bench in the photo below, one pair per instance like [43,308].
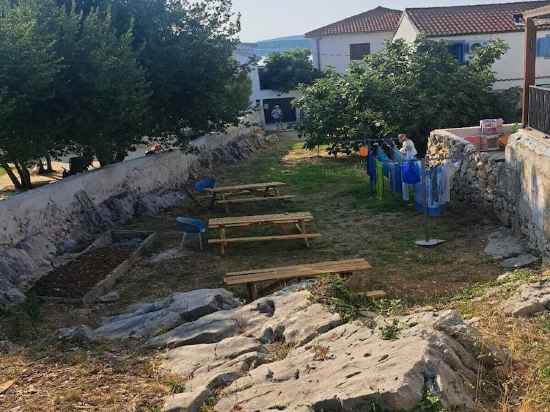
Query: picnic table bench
[250,193]
[300,220]
[342,267]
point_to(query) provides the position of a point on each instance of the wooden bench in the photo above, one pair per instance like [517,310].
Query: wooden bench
[254,192]
[300,220]
[343,267]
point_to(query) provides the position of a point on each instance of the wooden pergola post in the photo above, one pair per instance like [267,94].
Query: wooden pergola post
[529,66]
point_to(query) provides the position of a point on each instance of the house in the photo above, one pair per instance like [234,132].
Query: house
[468,27]
[340,43]
[262,98]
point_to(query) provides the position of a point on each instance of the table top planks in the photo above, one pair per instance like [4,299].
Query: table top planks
[261,219]
[298,271]
[238,188]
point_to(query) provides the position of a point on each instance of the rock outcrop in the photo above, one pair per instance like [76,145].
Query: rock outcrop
[531,299]
[149,319]
[284,352]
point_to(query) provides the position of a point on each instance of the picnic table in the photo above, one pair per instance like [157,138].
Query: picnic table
[343,267]
[250,193]
[300,220]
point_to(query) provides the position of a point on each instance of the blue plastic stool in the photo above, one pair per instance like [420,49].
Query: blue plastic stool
[203,184]
[191,226]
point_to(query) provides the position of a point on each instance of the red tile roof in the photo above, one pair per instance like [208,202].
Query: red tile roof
[376,20]
[459,20]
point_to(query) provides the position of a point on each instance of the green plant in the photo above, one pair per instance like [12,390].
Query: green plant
[404,88]
[285,71]
[430,403]
[391,331]
[175,387]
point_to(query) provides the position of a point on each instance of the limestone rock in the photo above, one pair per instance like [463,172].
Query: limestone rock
[519,261]
[149,319]
[109,297]
[503,245]
[327,366]
[291,309]
[529,300]
[77,334]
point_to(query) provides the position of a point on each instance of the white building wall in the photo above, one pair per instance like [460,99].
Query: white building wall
[258,95]
[334,51]
[406,31]
[509,68]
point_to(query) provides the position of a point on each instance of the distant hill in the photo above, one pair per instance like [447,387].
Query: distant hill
[282,44]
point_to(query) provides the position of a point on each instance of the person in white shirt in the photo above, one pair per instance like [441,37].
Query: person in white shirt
[408,149]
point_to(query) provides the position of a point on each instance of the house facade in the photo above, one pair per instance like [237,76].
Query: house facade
[262,98]
[468,27]
[338,44]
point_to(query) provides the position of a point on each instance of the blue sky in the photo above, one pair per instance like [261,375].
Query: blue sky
[265,19]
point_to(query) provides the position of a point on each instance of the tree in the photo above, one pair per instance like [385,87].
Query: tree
[112,99]
[325,110]
[287,70]
[412,88]
[187,51]
[28,68]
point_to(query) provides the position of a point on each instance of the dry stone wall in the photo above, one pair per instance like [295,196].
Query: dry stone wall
[513,185]
[38,227]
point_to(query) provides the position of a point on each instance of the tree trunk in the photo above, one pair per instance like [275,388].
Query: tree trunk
[41,169]
[24,175]
[12,176]
[49,167]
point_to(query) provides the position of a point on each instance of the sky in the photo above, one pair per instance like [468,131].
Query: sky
[266,19]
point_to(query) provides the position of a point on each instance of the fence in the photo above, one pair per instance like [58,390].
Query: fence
[539,109]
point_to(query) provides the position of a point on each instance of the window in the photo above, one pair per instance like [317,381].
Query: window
[358,51]
[543,47]
[458,50]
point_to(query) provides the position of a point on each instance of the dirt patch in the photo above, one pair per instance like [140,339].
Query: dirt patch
[76,278]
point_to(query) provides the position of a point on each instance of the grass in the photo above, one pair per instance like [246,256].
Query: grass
[523,384]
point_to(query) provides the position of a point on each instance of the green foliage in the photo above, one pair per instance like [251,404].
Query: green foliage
[391,331]
[27,76]
[332,291]
[408,87]
[94,76]
[430,403]
[287,70]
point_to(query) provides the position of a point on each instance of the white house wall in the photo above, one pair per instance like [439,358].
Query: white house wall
[406,31]
[509,68]
[334,51]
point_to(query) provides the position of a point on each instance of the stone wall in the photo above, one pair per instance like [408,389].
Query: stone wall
[39,227]
[514,185]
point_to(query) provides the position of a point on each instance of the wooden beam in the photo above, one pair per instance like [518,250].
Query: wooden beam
[529,65]
[534,13]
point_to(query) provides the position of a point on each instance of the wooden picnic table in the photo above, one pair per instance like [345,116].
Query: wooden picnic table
[300,220]
[249,193]
[282,274]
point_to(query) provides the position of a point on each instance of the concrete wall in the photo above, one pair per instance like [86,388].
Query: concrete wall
[334,51]
[513,185]
[40,226]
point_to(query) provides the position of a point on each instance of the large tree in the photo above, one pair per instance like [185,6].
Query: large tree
[28,69]
[408,87]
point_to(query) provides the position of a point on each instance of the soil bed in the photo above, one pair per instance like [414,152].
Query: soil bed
[76,278]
